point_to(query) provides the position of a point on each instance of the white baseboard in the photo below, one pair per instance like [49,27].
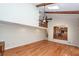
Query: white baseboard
[64,42]
[23,44]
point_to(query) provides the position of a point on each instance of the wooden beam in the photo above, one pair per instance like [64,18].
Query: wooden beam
[63,12]
[43,4]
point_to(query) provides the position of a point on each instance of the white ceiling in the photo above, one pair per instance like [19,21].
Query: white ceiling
[62,6]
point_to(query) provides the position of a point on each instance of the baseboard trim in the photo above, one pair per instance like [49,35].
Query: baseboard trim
[64,43]
[23,44]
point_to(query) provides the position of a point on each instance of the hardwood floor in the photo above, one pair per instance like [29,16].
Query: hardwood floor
[43,48]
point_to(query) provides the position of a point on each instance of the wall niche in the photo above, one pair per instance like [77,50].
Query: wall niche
[60,33]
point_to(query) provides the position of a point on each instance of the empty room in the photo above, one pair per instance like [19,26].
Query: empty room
[39,29]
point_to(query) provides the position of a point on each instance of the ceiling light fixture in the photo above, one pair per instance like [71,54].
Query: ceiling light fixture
[53,7]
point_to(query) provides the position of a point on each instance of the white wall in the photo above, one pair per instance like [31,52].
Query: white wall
[69,20]
[16,35]
[22,13]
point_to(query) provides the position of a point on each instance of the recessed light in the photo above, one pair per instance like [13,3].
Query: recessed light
[53,7]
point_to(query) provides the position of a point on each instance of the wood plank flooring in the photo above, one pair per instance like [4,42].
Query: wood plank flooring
[43,48]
